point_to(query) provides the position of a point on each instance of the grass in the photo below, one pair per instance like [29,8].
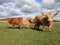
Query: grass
[15,36]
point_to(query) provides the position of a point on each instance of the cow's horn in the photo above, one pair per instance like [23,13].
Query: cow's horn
[56,13]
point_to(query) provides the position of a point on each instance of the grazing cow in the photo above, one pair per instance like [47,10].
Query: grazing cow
[25,22]
[14,21]
[45,20]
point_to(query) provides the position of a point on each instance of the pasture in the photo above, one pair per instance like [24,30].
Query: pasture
[9,36]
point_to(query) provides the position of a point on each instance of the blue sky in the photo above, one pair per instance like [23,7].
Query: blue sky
[39,1]
[28,8]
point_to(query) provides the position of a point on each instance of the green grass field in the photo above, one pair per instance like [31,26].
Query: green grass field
[9,36]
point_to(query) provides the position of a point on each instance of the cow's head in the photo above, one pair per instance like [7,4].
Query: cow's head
[51,15]
[8,19]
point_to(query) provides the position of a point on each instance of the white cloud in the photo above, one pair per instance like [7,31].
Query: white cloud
[48,2]
[36,6]
[27,7]
[58,8]
[4,1]
[13,12]
[9,10]
[57,1]
[51,4]
[1,6]
[3,14]
[19,3]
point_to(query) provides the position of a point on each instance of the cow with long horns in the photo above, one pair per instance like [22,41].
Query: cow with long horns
[45,20]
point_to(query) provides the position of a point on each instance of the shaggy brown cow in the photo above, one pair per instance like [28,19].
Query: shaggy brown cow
[14,21]
[45,20]
[25,22]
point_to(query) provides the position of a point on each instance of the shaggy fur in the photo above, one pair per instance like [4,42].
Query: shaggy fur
[44,20]
[14,21]
[25,22]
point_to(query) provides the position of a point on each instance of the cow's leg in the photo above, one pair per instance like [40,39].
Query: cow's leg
[44,28]
[35,26]
[49,27]
[20,26]
[38,27]
[28,27]
[13,26]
